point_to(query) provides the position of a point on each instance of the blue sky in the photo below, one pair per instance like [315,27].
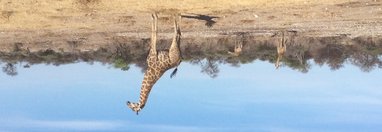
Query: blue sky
[253,97]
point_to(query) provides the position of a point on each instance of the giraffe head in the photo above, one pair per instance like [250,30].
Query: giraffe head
[136,107]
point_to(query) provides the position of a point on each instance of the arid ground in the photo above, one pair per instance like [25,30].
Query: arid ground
[39,24]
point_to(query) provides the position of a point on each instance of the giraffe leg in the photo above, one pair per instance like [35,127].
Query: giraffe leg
[154,32]
[176,25]
[174,48]
[277,64]
[152,57]
[175,56]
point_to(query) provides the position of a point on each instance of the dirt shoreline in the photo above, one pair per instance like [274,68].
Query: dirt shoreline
[42,22]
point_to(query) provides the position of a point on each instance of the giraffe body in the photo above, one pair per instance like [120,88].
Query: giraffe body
[158,63]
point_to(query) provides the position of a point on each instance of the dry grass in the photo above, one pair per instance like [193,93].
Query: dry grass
[207,5]
[97,14]
[247,21]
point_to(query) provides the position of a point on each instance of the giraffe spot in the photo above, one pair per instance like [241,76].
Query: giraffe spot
[151,78]
[156,73]
[150,72]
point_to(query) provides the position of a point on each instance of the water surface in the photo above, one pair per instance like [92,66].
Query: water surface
[334,88]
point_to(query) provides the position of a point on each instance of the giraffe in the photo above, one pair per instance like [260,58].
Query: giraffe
[238,47]
[281,49]
[158,63]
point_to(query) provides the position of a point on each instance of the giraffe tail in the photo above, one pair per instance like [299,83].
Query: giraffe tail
[174,72]
[176,69]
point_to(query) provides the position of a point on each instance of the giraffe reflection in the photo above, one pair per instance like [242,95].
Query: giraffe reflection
[281,49]
[238,47]
[158,63]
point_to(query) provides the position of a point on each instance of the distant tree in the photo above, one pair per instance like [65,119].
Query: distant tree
[10,69]
[210,68]
[366,62]
[121,63]
[333,55]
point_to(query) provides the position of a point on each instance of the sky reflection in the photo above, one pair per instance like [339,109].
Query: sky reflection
[253,97]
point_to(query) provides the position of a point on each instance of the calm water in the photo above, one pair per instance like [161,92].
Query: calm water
[251,97]
[322,84]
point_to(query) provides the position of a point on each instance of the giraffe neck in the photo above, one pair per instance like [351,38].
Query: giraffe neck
[150,78]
